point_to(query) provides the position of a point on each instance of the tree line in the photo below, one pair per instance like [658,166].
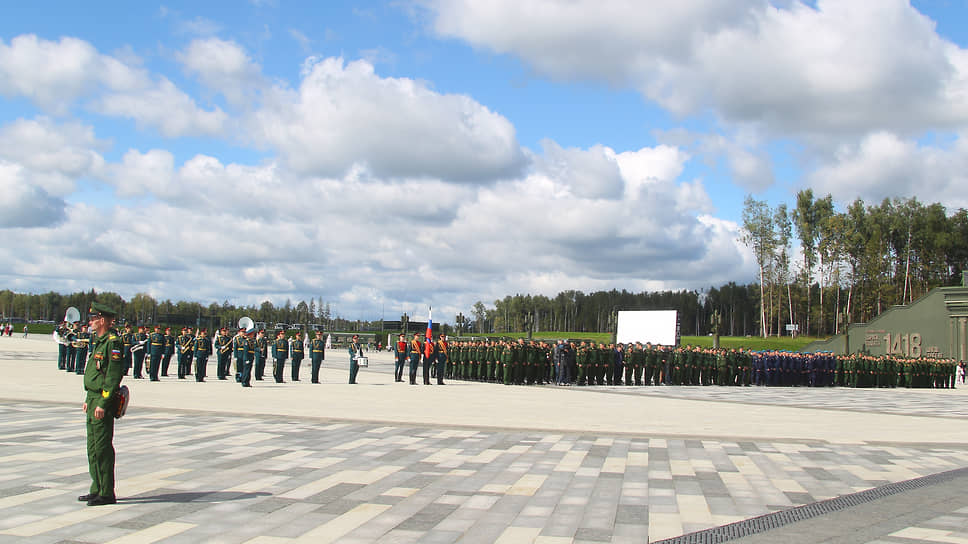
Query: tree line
[855,263]
[144,309]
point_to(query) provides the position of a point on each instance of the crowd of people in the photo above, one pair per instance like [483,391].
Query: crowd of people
[586,363]
[149,355]
[517,362]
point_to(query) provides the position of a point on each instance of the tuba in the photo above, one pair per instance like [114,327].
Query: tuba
[247,324]
[72,315]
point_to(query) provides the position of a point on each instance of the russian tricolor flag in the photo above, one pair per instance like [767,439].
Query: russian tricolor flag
[428,345]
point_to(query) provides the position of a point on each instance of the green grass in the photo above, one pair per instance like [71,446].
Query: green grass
[550,335]
[753,342]
[34,328]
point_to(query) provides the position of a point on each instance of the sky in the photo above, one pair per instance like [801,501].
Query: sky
[389,156]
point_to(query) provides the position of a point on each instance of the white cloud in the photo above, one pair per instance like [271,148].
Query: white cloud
[344,115]
[884,164]
[164,107]
[223,66]
[24,203]
[591,173]
[844,66]
[54,75]
[360,241]
[55,155]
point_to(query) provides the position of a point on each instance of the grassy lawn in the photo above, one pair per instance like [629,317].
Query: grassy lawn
[753,342]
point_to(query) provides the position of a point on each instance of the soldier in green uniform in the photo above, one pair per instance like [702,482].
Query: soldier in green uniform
[296,349]
[102,382]
[317,352]
[156,348]
[239,346]
[250,363]
[581,364]
[186,344]
[83,343]
[138,356]
[416,349]
[442,357]
[203,348]
[260,354]
[127,340]
[62,331]
[508,357]
[169,351]
[223,349]
[280,352]
[355,350]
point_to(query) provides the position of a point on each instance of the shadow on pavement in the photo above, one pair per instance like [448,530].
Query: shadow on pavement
[194,496]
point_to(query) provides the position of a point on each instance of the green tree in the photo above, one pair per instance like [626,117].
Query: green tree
[759,236]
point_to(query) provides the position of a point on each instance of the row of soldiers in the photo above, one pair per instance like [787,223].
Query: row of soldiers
[516,362]
[249,349]
[587,363]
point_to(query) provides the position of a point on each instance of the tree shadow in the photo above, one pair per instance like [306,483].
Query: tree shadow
[192,496]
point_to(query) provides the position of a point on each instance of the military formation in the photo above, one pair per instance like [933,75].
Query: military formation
[526,362]
[149,356]
[511,362]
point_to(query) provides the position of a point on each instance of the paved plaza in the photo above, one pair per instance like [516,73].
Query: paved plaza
[387,462]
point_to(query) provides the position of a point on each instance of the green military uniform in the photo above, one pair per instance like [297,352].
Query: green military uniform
[102,382]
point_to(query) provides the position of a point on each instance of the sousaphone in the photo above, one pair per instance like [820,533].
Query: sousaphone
[73,315]
[247,324]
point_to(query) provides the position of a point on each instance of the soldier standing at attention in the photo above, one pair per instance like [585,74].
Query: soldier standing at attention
[71,347]
[355,350]
[280,351]
[401,354]
[102,381]
[442,355]
[251,347]
[297,355]
[203,348]
[127,340]
[61,346]
[83,343]
[416,348]
[169,351]
[223,349]
[185,349]
[139,356]
[157,349]
[430,358]
[239,346]
[317,352]
[261,352]
[250,351]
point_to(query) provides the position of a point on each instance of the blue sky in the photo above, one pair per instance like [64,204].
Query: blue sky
[447,152]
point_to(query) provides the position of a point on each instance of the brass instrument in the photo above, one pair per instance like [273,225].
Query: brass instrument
[247,324]
[188,345]
[70,317]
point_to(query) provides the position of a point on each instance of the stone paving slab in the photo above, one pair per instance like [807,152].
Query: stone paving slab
[209,477]
[946,403]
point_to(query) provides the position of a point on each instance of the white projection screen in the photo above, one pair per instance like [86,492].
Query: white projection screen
[655,326]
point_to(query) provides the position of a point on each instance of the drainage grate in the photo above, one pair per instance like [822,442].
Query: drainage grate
[766,522]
